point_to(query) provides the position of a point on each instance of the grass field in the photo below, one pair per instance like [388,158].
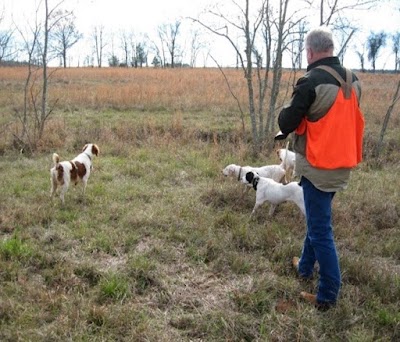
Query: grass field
[162,247]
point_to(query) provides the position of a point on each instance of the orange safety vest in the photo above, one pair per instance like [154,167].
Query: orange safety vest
[335,140]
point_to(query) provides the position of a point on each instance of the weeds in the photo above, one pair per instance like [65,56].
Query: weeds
[14,249]
[114,286]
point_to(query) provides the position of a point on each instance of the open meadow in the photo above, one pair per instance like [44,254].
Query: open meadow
[162,247]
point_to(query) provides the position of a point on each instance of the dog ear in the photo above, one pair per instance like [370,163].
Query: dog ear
[250,176]
[84,147]
[95,149]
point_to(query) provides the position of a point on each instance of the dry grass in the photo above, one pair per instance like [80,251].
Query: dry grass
[162,248]
[138,89]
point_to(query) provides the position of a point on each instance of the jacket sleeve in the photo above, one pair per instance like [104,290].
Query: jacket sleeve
[292,114]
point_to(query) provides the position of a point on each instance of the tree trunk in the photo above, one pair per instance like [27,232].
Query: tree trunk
[396,98]
[44,61]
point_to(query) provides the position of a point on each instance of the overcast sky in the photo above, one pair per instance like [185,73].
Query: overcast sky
[146,15]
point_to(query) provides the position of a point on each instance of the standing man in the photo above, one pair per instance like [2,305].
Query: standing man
[325,116]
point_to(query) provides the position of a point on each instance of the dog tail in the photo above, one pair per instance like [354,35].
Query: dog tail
[56,159]
[286,153]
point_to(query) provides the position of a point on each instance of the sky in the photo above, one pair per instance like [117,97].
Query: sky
[145,17]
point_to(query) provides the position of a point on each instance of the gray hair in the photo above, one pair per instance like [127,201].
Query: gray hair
[320,40]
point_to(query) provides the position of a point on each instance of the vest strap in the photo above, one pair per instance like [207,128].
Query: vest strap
[346,85]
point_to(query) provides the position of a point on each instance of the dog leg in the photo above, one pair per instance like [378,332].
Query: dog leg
[84,184]
[254,209]
[272,209]
[62,193]
[84,187]
[53,188]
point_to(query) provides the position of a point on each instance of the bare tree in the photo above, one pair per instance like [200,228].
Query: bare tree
[285,24]
[249,29]
[331,10]
[374,43]
[158,59]
[396,50]
[113,59]
[168,34]
[52,18]
[344,31]
[259,37]
[138,50]
[30,42]
[296,47]
[396,98]
[195,46]
[65,34]
[125,44]
[5,42]
[6,37]
[361,59]
[36,110]
[334,13]
[99,43]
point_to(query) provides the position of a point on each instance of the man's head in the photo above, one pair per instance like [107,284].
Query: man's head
[319,44]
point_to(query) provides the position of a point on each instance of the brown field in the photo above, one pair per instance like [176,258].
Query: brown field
[171,90]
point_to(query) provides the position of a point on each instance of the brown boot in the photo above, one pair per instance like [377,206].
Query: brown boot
[308,297]
[312,299]
[295,263]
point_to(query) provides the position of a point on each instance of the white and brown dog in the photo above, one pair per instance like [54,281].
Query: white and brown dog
[73,171]
[275,193]
[275,172]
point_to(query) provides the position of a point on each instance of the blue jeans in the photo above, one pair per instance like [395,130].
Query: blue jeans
[319,244]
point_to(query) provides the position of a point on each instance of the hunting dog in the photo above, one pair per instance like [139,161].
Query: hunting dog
[74,171]
[275,172]
[269,190]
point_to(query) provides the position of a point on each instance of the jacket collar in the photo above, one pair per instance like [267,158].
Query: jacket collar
[331,61]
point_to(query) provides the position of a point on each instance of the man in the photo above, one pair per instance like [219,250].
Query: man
[324,114]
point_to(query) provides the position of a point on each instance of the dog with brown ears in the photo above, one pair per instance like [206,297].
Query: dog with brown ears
[63,173]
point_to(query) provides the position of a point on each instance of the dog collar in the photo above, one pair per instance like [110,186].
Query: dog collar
[88,155]
[240,171]
[255,183]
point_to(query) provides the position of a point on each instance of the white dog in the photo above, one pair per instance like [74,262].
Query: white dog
[275,193]
[288,162]
[275,172]
[78,169]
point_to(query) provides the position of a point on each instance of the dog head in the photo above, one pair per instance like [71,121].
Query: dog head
[229,170]
[251,178]
[91,149]
[281,151]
